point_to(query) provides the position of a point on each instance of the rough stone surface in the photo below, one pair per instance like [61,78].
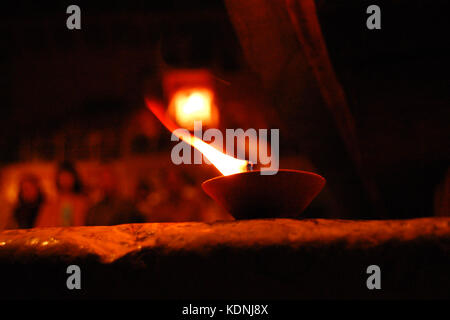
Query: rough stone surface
[273,258]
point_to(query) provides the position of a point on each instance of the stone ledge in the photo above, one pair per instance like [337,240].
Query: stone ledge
[273,258]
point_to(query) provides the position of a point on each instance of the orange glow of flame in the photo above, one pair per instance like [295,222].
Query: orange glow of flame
[194,104]
[224,163]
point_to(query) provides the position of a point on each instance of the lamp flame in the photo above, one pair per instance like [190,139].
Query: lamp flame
[226,164]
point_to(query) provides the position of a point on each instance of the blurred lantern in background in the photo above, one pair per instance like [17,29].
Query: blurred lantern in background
[191,97]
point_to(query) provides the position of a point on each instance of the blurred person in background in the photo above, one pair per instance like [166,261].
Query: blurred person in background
[112,209]
[70,206]
[29,202]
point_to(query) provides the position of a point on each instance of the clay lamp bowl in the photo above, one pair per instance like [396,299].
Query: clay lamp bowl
[250,195]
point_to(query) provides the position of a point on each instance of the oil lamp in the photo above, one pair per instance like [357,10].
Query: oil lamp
[249,194]
[242,190]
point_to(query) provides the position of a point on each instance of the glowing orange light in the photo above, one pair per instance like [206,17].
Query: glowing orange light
[189,105]
[224,163]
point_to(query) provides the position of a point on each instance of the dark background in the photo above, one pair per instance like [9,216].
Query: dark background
[63,85]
